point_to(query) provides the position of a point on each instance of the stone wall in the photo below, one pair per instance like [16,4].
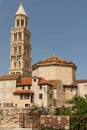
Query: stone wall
[10,117]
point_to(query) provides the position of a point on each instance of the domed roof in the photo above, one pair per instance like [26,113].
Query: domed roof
[54,60]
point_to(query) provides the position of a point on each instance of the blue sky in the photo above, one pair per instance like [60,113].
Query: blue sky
[58,27]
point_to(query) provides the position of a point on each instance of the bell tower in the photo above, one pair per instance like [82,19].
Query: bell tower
[20,46]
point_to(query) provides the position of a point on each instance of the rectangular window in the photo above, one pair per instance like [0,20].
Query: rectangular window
[40,96]
[23,88]
[50,96]
[21,96]
[40,87]
[24,96]
[31,98]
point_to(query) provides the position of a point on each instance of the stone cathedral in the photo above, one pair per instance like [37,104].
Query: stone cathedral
[20,46]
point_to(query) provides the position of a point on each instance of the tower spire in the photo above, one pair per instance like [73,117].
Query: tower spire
[21,9]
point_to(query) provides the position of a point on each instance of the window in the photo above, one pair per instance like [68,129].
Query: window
[23,88]
[19,64]
[19,50]
[17,22]
[20,36]
[24,96]
[50,96]
[31,98]
[14,64]
[15,36]
[40,87]
[29,87]
[21,96]
[8,104]
[15,50]
[40,96]
[22,22]
[34,80]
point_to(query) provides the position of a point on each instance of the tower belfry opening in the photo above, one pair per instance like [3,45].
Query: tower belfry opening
[20,45]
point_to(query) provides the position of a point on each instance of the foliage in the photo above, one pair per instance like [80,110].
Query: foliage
[78,113]
[40,110]
[79,108]
[78,122]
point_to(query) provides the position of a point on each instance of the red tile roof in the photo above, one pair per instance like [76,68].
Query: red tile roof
[23,92]
[55,83]
[25,81]
[28,81]
[53,60]
[10,77]
[80,81]
[44,81]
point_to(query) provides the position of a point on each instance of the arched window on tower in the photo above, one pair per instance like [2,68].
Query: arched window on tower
[27,51]
[19,50]
[15,64]
[22,22]
[15,36]
[19,64]
[15,50]
[18,23]
[20,35]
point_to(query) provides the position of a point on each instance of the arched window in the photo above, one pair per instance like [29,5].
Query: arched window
[15,50]
[22,22]
[15,36]
[15,64]
[19,64]
[19,50]
[18,23]
[20,36]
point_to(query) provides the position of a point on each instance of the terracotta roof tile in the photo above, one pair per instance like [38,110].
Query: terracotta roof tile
[44,81]
[54,60]
[25,81]
[28,81]
[80,81]
[55,83]
[9,77]
[23,92]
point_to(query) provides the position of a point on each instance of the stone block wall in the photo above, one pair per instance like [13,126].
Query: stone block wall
[10,117]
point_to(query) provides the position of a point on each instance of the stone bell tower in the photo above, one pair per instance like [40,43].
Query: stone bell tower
[20,46]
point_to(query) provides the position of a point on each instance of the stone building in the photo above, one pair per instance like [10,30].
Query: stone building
[55,68]
[82,87]
[7,87]
[33,91]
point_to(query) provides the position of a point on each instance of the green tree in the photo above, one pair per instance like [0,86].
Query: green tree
[79,106]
